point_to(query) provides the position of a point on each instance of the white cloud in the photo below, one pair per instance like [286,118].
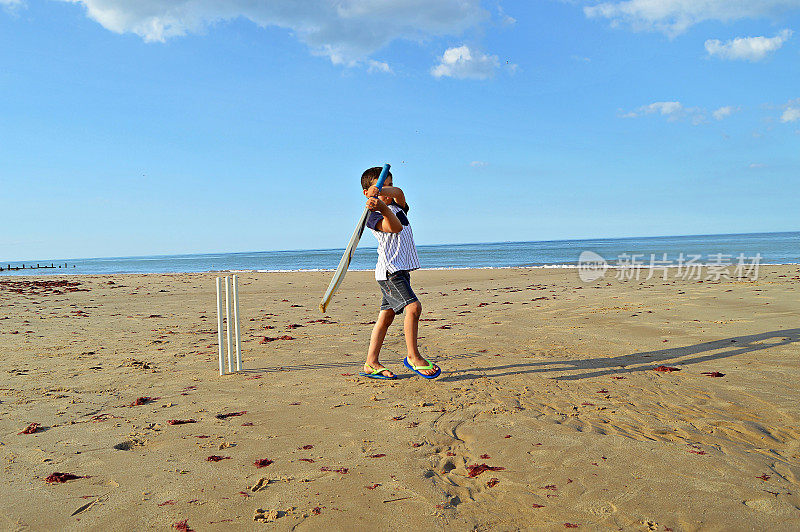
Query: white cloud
[663,108]
[378,66]
[505,19]
[747,48]
[478,164]
[791,114]
[463,63]
[675,16]
[724,112]
[757,165]
[346,31]
[673,111]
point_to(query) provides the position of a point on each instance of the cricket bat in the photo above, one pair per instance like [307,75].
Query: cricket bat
[351,249]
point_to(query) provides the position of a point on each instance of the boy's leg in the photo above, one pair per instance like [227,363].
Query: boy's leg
[411,328]
[385,318]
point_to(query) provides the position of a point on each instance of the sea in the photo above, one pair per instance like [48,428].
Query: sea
[763,248]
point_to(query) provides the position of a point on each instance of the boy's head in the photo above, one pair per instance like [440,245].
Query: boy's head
[371,175]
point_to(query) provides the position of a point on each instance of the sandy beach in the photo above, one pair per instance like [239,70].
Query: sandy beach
[549,413]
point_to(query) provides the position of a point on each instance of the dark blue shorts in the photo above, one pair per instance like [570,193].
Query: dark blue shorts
[397,292]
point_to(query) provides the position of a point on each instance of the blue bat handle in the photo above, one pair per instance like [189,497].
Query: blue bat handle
[382,177]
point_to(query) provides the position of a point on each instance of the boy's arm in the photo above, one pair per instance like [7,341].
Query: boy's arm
[390,223]
[393,192]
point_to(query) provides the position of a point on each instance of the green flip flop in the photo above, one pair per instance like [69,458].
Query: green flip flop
[416,369]
[376,373]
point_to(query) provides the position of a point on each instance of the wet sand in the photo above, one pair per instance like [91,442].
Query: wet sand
[548,415]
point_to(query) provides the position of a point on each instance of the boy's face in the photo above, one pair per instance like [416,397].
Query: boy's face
[388,183]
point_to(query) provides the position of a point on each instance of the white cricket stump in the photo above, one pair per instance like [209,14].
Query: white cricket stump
[229,317]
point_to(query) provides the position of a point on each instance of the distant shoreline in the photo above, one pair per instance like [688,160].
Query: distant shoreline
[51,273]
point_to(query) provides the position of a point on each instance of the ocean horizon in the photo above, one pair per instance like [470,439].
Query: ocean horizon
[769,248]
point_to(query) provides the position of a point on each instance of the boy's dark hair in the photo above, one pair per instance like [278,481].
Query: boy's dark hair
[370,175]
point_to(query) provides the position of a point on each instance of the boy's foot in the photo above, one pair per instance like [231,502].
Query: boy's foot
[377,372]
[422,367]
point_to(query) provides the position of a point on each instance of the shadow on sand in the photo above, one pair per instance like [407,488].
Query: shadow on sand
[589,367]
[646,360]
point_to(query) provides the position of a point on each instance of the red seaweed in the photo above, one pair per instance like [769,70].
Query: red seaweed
[372,487]
[493,482]
[764,477]
[316,511]
[713,374]
[307,447]
[570,525]
[379,455]
[217,458]
[262,462]
[534,505]
[309,460]
[267,339]
[182,526]
[165,503]
[143,401]
[666,369]
[180,421]
[59,478]
[485,457]
[31,429]
[477,469]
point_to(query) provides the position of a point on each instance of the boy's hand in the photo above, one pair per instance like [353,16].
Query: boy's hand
[375,204]
[372,191]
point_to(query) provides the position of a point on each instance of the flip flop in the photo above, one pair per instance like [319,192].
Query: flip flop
[376,374]
[416,369]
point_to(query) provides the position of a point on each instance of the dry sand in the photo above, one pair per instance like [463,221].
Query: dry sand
[546,378]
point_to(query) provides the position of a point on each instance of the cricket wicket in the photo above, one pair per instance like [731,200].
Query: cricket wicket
[231,306]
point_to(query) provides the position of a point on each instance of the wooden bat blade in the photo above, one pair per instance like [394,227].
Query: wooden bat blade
[345,262]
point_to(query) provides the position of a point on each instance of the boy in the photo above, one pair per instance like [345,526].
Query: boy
[396,257]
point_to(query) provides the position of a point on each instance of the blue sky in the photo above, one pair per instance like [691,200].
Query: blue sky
[169,126]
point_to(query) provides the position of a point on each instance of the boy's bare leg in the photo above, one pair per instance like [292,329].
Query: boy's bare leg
[411,328]
[385,318]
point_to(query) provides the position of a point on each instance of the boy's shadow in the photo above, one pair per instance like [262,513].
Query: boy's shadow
[597,367]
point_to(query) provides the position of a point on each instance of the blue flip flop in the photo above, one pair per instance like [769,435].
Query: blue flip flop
[416,369]
[376,374]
